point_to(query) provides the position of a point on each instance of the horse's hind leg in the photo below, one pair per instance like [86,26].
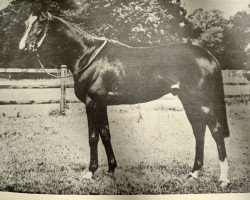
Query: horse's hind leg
[201,113]
[217,134]
[103,126]
[198,124]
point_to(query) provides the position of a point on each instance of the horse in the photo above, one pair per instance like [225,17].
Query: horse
[107,72]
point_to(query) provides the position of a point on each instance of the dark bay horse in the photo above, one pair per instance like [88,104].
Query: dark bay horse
[107,72]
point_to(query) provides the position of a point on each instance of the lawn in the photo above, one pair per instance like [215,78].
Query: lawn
[44,152]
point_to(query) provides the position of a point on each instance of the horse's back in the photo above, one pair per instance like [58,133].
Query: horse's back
[180,56]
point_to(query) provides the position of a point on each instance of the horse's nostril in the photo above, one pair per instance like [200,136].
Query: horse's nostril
[23,48]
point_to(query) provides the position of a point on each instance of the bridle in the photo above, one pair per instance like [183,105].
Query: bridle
[93,56]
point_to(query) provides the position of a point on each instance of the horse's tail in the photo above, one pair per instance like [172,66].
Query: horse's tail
[219,101]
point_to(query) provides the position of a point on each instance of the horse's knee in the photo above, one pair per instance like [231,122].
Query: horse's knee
[93,139]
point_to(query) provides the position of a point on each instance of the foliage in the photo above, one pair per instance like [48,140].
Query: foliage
[211,23]
[227,39]
[236,39]
[138,22]
[10,31]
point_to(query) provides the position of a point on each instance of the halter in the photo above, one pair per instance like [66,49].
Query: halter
[93,56]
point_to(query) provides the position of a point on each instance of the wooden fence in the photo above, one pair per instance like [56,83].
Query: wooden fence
[236,86]
[62,73]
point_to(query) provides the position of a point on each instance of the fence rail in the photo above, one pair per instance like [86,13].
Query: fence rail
[236,86]
[235,77]
[26,70]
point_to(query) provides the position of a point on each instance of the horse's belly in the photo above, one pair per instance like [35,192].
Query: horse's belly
[132,98]
[128,88]
[129,94]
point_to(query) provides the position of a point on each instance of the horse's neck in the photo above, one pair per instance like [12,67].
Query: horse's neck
[73,42]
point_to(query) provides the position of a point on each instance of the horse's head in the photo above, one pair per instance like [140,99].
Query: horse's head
[35,32]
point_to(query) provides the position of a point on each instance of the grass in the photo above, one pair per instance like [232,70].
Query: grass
[45,152]
[56,112]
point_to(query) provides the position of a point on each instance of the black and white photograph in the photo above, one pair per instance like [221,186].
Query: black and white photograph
[124,97]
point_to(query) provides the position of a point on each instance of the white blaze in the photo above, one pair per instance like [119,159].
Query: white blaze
[22,43]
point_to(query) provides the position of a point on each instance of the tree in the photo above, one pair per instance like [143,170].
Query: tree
[139,22]
[212,24]
[11,31]
[236,38]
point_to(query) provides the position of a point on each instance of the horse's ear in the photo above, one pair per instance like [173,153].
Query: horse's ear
[46,15]
[38,7]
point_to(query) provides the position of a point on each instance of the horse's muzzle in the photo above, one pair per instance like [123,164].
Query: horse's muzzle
[23,47]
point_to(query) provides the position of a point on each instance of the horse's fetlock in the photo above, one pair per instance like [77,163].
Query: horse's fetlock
[112,162]
[93,167]
[199,163]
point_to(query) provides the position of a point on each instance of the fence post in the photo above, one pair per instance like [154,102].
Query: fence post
[63,89]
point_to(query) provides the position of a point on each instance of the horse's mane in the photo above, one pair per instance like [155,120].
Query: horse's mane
[79,31]
[88,35]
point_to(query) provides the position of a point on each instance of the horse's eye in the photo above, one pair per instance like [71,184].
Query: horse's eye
[43,17]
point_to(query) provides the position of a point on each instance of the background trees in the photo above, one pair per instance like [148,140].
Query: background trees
[211,23]
[137,23]
[236,42]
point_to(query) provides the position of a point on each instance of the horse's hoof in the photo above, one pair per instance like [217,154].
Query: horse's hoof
[193,175]
[111,173]
[88,175]
[224,184]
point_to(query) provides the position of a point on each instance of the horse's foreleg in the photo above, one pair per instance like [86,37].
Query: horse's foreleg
[92,115]
[105,136]
[217,134]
